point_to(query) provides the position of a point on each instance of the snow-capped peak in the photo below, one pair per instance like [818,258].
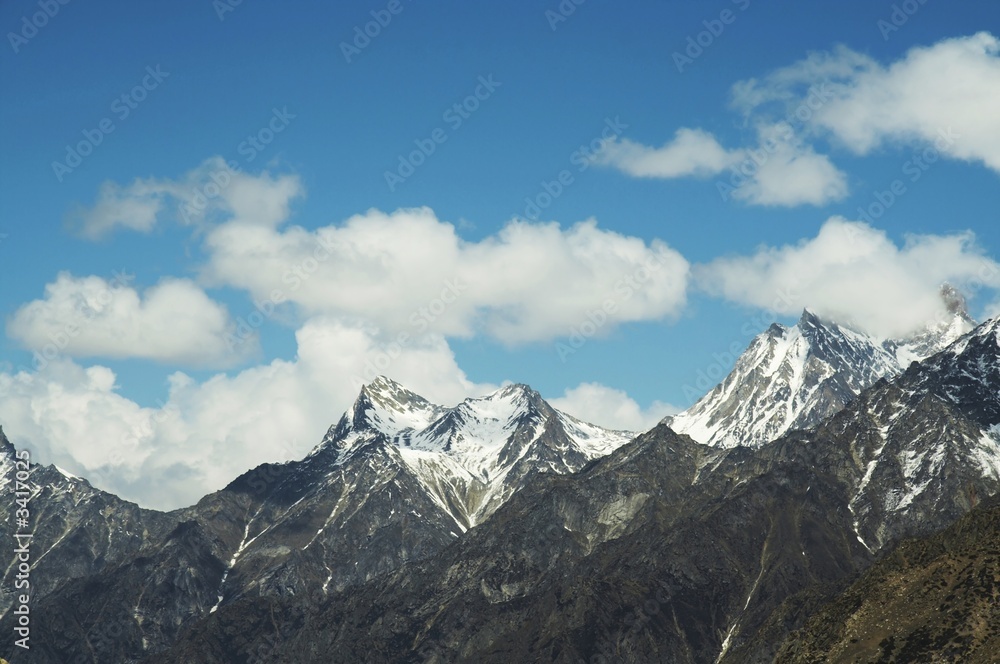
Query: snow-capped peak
[795,377]
[938,334]
[387,407]
[476,453]
[7,456]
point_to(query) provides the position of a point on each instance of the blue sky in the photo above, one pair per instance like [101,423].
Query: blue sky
[547,84]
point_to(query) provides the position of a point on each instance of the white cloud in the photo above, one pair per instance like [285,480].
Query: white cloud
[135,207]
[67,405]
[380,293]
[783,171]
[173,322]
[207,433]
[593,402]
[951,85]
[780,171]
[944,98]
[691,152]
[212,188]
[854,273]
[409,271]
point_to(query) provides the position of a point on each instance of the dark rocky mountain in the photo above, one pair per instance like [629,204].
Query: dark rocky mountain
[77,530]
[667,550]
[932,600]
[635,558]
[396,479]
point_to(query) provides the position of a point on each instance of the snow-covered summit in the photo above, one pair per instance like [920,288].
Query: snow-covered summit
[795,377]
[476,453]
[386,407]
[938,334]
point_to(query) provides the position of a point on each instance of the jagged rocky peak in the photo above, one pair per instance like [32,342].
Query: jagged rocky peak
[472,432]
[954,301]
[386,407]
[795,377]
[7,454]
[389,394]
[968,371]
[484,422]
[953,322]
[6,447]
[509,402]
[470,457]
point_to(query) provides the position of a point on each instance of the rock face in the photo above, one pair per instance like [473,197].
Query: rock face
[936,599]
[77,530]
[796,377]
[667,550]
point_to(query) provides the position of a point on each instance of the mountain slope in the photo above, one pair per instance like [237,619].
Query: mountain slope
[76,530]
[631,559]
[935,599]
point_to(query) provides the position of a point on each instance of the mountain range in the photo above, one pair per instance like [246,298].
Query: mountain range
[502,529]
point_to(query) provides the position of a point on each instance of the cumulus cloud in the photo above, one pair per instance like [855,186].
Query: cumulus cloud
[135,207]
[856,274]
[609,407]
[945,96]
[378,293]
[951,88]
[206,433]
[784,171]
[409,271]
[171,322]
[691,152]
[781,170]
[215,187]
